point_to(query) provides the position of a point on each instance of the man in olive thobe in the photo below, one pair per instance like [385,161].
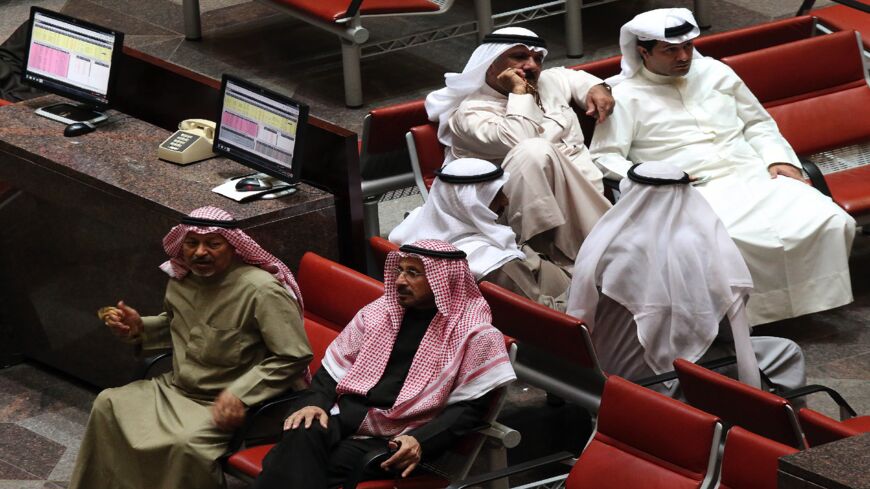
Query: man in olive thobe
[233,318]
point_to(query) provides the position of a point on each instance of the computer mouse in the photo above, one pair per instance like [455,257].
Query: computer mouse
[251,184]
[77,129]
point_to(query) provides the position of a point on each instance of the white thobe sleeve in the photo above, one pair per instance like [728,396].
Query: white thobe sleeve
[611,142]
[580,82]
[484,130]
[760,129]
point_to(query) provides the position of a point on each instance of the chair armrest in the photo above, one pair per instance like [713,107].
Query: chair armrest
[506,435]
[371,458]
[513,470]
[255,413]
[709,365]
[846,410]
[148,364]
[352,8]
[611,187]
[816,177]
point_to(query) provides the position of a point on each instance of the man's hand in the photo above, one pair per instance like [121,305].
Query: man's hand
[228,411]
[124,321]
[306,415]
[407,456]
[599,103]
[785,170]
[513,80]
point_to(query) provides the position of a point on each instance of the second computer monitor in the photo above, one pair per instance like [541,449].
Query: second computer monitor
[260,128]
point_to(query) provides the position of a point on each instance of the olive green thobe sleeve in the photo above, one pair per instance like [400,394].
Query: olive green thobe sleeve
[280,322]
[156,334]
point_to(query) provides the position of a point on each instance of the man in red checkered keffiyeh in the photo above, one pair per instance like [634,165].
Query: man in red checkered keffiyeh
[233,319]
[411,373]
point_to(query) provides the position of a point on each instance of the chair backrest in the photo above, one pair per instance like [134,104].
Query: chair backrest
[333,293]
[380,249]
[319,337]
[826,103]
[739,404]
[427,155]
[820,429]
[753,38]
[645,439]
[555,349]
[815,66]
[751,461]
[384,151]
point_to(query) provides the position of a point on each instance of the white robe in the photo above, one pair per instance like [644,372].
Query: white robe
[554,185]
[795,240]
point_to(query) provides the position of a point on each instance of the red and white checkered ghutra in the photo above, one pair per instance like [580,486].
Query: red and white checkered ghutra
[461,356]
[246,248]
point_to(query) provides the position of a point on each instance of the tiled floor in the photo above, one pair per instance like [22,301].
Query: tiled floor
[42,414]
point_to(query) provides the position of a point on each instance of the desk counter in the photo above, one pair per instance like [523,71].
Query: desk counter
[85,229]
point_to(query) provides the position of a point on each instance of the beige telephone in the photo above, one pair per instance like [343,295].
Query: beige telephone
[192,142]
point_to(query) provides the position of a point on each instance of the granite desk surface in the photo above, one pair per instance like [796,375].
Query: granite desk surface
[843,464]
[120,157]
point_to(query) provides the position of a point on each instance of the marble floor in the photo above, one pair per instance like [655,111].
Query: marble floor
[43,413]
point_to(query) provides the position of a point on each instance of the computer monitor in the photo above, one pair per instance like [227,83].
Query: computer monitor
[261,129]
[73,58]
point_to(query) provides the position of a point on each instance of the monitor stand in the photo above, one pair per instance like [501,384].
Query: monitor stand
[69,113]
[277,187]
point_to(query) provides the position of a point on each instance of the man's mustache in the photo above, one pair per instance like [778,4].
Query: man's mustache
[202,261]
[403,290]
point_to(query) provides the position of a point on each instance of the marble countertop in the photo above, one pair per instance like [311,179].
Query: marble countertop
[120,158]
[843,464]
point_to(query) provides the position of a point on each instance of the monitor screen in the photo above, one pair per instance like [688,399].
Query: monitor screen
[260,128]
[71,57]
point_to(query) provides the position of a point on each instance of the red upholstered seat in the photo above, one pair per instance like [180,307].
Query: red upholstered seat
[739,404]
[320,278]
[250,462]
[381,248]
[815,66]
[645,439]
[319,337]
[755,37]
[850,189]
[4,102]
[842,18]
[751,461]
[388,125]
[332,10]
[821,429]
[429,153]
[821,123]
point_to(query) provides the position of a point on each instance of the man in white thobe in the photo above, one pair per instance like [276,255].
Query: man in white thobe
[677,106]
[503,108]
[464,204]
[660,279]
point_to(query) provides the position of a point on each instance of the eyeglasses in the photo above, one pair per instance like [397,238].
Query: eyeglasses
[410,273]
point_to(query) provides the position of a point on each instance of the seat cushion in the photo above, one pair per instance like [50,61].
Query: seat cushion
[860,424]
[750,461]
[851,190]
[250,460]
[333,10]
[842,18]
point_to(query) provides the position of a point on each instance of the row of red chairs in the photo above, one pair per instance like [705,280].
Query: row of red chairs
[824,105]
[556,354]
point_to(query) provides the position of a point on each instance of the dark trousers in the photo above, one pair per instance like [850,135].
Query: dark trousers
[317,458]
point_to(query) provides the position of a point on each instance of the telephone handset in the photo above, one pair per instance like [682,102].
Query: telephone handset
[192,142]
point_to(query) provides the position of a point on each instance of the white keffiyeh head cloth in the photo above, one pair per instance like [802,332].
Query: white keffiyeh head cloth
[672,25]
[457,211]
[441,104]
[210,219]
[663,254]
[461,356]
